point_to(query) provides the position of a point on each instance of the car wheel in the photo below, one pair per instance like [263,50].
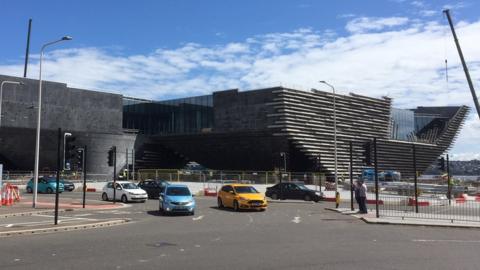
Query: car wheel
[235,206]
[124,199]
[307,197]
[104,197]
[219,203]
[274,196]
[49,190]
[29,190]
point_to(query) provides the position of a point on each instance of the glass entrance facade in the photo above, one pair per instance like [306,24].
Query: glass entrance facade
[171,117]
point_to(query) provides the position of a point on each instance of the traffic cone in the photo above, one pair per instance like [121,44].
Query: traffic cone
[9,197]
[4,198]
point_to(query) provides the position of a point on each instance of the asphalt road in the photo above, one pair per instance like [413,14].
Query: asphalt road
[287,236]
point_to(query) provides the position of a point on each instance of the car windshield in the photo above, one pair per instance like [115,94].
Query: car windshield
[245,189]
[160,183]
[178,191]
[302,187]
[129,186]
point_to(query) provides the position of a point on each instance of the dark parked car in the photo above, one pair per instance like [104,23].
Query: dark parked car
[67,185]
[153,187]
[293,190]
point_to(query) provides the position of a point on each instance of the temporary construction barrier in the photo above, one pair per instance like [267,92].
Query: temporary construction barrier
[9,194]
[2,196]
[15,193]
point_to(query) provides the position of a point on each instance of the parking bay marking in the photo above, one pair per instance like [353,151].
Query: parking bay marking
[66,218]
[43,222]
[197,218]
[296,220]
[447,241]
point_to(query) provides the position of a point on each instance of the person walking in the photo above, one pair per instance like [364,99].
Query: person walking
[361,196]
[356,190]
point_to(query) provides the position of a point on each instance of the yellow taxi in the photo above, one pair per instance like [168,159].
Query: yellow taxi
[241,196]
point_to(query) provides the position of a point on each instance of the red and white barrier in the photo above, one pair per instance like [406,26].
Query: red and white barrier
[9,194]
[412,202]
[210,192]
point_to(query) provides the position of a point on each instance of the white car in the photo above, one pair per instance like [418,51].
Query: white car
[125,191]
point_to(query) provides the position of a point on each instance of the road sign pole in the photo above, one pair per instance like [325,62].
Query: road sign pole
[57,189]
[415,177]
[351,176]
[114,173]
[84,162]
[376,176]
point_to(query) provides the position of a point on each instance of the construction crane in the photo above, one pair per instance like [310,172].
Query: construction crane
[467,74]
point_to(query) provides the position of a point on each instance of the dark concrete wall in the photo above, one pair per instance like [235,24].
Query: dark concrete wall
[69,108]
[94,118]
[242,111]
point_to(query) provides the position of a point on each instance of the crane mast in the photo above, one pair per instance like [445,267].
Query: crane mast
[467,74]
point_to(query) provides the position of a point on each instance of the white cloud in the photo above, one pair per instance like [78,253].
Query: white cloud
[429,12]
[456,5]
[401,58]
[418,4]
[365,24]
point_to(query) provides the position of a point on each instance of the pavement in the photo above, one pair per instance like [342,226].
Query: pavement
[22,219]
[410,219]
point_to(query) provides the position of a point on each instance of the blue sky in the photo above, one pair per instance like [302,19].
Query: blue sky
[167,49]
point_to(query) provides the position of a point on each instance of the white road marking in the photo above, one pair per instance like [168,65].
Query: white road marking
[16,260]
[216,239]
[250,218]
[45,222]
[197,218]
[182,250]
[115,212]
[65,218]
[197,246]
[296,220]
[82,215]
[447,241]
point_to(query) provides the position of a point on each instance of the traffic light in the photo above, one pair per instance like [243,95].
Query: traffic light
[111,155]
[367,153]
[69,152]
[318,163]
[79,158]
[441,163]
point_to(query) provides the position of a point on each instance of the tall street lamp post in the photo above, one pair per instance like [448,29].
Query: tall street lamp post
[337,194]
[37,144]
[1,95]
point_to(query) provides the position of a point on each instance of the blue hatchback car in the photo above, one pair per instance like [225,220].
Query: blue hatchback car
[45,185]
[176,199]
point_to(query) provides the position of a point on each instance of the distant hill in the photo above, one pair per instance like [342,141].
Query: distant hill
[471,167]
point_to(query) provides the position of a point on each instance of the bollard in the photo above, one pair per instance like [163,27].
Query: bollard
[337,199]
